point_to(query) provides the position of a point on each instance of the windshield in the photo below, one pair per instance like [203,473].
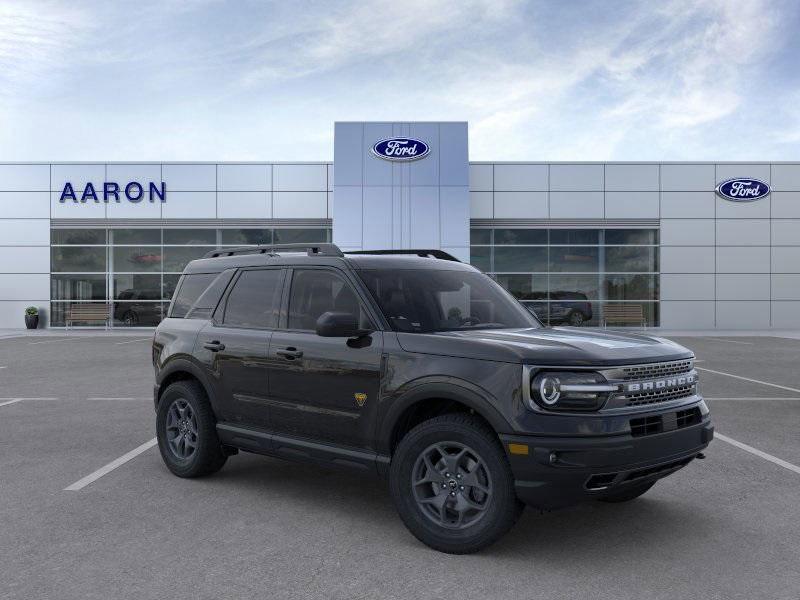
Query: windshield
[427,300]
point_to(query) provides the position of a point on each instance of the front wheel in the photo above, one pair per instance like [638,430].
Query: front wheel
[186,431]
[452,485]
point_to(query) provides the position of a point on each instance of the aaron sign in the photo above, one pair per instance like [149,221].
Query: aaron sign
[133,192]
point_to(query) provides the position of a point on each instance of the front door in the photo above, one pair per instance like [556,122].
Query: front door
[321,388]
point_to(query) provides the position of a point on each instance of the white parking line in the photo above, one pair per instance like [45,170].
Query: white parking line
[60,339]
[759,453]
[14,401]
[775,385]
[105,470]
[132,341]
[127,398]
[4,367]
[727,341]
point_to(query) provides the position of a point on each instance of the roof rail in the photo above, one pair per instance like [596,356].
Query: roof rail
[310,249]
[440,254]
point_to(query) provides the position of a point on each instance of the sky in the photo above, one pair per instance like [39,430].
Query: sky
[537,81]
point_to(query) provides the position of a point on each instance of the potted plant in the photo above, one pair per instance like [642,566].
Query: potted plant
[31,317]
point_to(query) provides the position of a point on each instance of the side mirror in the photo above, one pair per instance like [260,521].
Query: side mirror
[339,324]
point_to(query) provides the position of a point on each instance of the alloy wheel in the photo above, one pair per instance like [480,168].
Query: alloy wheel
[182,434]
[451,485]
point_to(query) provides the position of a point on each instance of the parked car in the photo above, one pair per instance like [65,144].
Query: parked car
[138,307]
[564,308]
[412,366]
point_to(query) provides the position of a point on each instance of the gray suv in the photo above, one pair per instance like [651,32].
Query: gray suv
[414,367]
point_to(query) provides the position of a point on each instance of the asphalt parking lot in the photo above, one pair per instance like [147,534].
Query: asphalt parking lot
[727,527]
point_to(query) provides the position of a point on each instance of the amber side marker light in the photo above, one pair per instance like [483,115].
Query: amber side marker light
[518,448]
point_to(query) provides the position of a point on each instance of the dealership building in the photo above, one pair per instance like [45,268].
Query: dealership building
[674,244]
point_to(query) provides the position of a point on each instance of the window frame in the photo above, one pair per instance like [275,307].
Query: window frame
[348,279]
[218,317]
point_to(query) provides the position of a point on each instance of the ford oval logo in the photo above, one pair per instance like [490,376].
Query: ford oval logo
[400,148]
[743,189]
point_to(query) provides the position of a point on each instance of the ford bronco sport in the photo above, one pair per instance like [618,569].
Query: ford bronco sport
[415,367]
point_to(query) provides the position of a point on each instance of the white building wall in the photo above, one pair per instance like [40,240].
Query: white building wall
[24,242]
[723,264]
[418,204]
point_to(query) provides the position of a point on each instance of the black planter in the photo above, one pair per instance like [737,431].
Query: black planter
[31,321]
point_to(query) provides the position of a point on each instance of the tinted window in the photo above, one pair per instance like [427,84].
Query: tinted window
[631,236]
[574,236]
[190,237]
[432,300]
[253,301]
[241,237]
[189,291]
[520,236]
[480,236]
[317,291]
[79,237]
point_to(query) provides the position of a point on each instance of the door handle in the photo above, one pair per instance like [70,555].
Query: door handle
[290,353]
[214,346]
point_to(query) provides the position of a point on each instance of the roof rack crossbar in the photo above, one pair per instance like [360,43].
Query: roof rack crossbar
[440,254]
[273,249]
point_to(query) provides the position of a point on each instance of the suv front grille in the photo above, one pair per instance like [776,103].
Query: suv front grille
[653,374]
[659,396]
[656,370]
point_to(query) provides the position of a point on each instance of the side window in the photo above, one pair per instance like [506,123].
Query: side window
[189,291]
[254,299]
[317,291]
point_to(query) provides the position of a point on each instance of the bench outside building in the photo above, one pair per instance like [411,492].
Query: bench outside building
[88,313]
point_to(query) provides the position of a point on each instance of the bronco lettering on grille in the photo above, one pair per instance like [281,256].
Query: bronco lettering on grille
[659,384]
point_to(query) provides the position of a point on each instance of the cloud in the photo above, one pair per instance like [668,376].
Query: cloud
[536,80]
[35,37]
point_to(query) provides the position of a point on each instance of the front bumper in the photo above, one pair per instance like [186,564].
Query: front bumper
[561,471]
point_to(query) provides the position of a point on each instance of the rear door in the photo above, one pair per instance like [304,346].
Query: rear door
[234,345]
[323,388]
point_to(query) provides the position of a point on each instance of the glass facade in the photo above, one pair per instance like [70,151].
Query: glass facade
[135,270]
[570,276]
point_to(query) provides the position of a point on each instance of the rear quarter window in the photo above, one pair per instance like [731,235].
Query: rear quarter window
[189,290]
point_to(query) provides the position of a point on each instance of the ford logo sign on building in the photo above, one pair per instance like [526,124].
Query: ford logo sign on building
[400,149]
[743,189]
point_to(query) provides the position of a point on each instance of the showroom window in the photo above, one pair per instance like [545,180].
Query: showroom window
[135,270]
[570,276]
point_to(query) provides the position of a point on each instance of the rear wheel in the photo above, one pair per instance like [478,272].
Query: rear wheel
[452,485]
[628,494]
[186,431]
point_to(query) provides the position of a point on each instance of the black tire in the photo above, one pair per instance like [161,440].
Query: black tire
[207,455]
[627,494]
[576,318]
[130,319]
[500,506]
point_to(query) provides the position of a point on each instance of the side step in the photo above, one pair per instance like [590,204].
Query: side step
[279,446]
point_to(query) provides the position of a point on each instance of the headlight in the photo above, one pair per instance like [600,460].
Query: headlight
[570,390]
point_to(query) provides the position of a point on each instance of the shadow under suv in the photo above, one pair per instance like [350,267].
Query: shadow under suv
[412,366]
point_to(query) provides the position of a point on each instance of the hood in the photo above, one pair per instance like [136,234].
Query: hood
[547,346]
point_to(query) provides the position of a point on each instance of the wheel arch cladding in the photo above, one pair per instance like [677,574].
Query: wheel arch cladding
[182,370]
[430,400]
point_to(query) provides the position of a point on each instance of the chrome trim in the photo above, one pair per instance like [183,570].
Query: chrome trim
[588,388]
